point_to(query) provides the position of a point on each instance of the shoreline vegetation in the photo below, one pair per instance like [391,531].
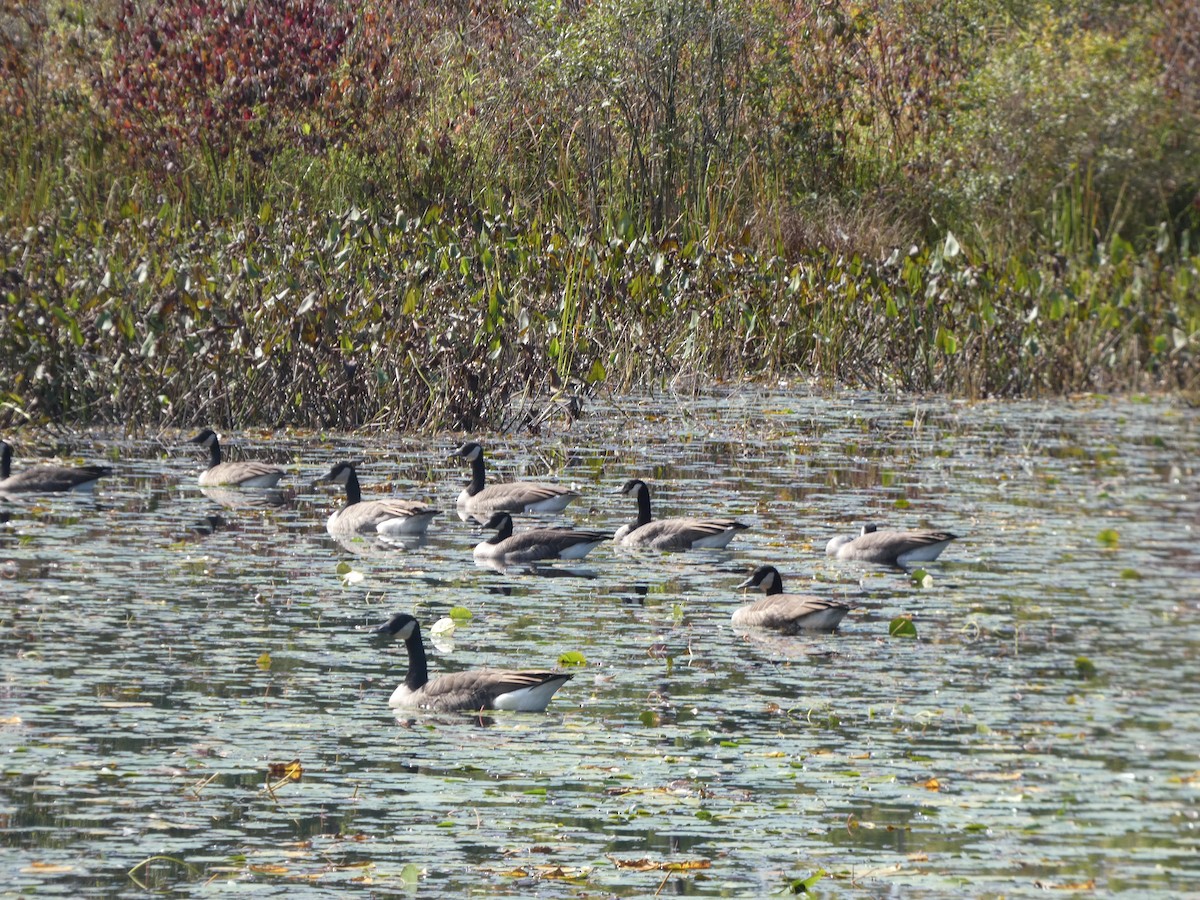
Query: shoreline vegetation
[328,214]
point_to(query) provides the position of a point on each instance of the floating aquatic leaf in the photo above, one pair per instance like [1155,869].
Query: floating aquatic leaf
[572,658]
[1108,537]
[292,771]
[921,578]
[1131,574]
[650,718]
[901,503]
[410,874]
[460,614]
[264,661]
[343,568]
[902,626]
[444,626]
[647,865]
[1085,667]
[802,885]
[932,785]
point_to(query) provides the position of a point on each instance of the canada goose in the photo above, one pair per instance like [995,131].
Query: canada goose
[536,543]
[671,534]
[47,477]
[479,501]
[474,689]
[787,613]
[247,473]
[892,548]
[392,517]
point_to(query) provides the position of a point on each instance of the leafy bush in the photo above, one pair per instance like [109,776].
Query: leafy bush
[1067,116]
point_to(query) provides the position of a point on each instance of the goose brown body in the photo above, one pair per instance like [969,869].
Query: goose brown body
[241,473]
[787,613]
[479,500]
[675,534]
[535,543]
[476,689]
[47,477]
[891,548]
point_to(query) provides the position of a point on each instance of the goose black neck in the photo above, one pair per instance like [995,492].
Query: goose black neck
[214,454]
[5,460]
[418,669]
[353,491]
[477,476]
[503,533]
[643,495]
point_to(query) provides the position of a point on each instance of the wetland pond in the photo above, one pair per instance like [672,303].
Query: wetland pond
[166,653]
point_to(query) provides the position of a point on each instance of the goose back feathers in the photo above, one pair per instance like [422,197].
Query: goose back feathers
[475,689]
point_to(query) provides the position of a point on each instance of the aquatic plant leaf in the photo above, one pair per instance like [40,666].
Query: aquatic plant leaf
[902,626]
[1085,667]
[572,658]
[443,626]
[292,771]
[460,614]
[802,885]
[1108,537]
[264,661]
[410,874]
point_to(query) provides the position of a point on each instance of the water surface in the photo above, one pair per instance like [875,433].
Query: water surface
[162,648]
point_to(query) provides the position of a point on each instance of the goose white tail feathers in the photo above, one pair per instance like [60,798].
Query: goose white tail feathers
[475,689]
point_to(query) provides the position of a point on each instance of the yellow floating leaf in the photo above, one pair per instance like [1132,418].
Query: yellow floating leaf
[269,869]
[648,865]
[290,770]
[41,868]
[932,785]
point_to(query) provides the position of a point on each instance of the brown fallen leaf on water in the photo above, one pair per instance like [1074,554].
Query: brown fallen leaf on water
[932,785]
[647,865]
[1089,885]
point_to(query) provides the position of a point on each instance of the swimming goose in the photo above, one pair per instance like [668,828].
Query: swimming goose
[479,501]
[536,543]
[391,518]
[892,548]
[47,477]
[671,534]
[787,613]
[474,689]
[245,473]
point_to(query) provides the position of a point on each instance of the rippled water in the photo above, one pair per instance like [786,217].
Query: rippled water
[161,651]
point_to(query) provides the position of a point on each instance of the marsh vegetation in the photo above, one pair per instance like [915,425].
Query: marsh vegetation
[325,213]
